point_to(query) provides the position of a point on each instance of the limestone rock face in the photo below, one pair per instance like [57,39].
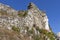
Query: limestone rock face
[40,18]
[29,23]
[10,17]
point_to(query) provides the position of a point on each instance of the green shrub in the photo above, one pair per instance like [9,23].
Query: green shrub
[22,13]
[45,32]
[36,37]
[30,31]
[26,12]
[51,38]
[37,28]
[27,28]
[17,29]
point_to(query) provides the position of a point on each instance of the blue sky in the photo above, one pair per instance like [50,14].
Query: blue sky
[51,7]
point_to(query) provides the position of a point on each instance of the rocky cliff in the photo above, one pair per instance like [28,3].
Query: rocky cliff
[31,24]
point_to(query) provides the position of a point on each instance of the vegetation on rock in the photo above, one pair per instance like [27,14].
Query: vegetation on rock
[17,29]
[22,13]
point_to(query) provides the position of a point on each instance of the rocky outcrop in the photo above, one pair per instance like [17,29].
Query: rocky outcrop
[32,23]
[10,17]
